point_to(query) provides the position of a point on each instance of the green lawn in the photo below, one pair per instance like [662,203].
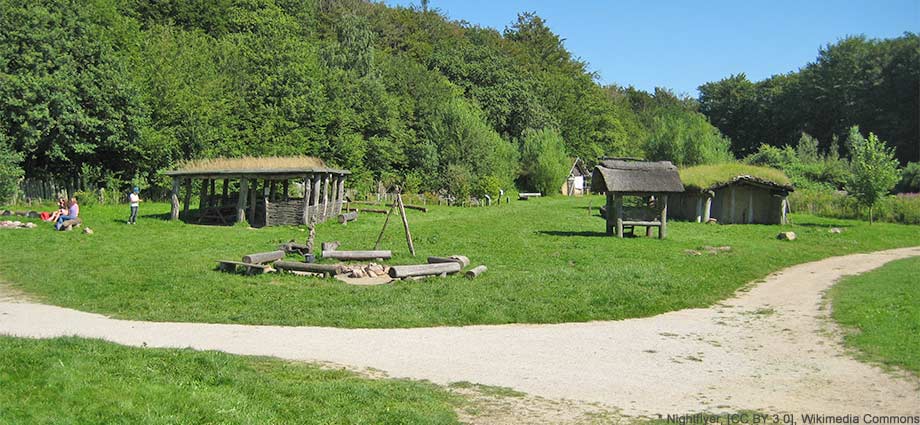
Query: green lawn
[78,381]
[882,307]
[548,262]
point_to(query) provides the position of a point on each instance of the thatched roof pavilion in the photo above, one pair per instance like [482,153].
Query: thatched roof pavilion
[619,177]
[323,190]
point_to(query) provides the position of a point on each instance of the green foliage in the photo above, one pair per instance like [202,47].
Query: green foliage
[874,169]
[544,162]
[856,80]
[824,202]
[881,308]
[96,381]
[686,139]
[10,171]
[804,165]
[910,178]
[807,149]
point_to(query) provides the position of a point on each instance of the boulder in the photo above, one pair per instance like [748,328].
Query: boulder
[87,231]
[786,236]
[835,230]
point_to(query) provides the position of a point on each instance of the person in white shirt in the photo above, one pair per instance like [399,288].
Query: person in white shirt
[135,200]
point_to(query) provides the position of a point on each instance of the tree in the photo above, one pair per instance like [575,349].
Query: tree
[686,139]
[544,162]
[874,169]
[10,171]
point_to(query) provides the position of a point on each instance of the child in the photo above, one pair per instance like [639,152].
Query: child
[135,200]
[61,210]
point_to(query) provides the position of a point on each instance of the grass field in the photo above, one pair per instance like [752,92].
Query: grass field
[78,381]
[548,262]
[882,308]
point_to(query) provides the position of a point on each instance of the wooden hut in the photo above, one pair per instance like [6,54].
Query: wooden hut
[260,190]
[733,194]
[653,181]
[576,183]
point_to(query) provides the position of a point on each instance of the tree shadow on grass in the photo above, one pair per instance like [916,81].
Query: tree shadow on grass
[583,233]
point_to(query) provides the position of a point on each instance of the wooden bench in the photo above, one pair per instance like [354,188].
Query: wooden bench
[647,217]
[248,268]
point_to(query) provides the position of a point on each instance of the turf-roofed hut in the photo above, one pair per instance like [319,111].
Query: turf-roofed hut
[733,193]
[652,181]
[259,190]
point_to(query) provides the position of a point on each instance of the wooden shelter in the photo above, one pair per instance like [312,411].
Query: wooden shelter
[576,184]
[742,199]
[259,190]
[653,181]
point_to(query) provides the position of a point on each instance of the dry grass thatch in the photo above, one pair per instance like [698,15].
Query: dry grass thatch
[708,176]
[252,163]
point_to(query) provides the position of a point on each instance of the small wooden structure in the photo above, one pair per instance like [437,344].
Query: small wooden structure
[618,177]
[576,184]
[259,190]
[743,199]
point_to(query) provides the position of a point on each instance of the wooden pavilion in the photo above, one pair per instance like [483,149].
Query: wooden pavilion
[653,181]
[259,190]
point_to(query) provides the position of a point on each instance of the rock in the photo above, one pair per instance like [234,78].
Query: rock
[87,231]
[31,225]
[692,252]
[836,230]
[786,236]
[712,221]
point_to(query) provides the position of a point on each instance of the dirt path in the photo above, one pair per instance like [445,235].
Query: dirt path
[770,349]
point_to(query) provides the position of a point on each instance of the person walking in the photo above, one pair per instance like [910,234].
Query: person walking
[134,199]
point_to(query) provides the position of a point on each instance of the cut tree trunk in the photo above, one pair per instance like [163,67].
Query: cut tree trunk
[452,259]
[329,269]
[476,271]
[399,272]
[344,218]
[263,257]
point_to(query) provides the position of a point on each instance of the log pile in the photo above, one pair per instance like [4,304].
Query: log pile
[359,271]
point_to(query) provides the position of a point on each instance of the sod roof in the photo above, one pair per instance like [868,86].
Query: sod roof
[631,176]
[707,177]
[254,165]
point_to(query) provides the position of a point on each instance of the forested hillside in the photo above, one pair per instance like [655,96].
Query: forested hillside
[874,84]
[116,91]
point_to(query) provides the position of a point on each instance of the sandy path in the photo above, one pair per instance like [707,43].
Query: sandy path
[770,348]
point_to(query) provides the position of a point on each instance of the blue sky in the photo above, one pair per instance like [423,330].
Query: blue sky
[681,44]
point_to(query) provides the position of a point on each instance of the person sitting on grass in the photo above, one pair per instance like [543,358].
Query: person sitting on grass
[72,213]
[61,210]
[135,200]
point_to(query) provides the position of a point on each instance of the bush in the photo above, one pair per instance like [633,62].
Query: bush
[910,178]
[903,209]
[544,163]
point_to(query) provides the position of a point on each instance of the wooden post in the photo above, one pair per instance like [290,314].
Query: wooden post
[648,203]
[241,201]
[750,212]
[663,230]
[341,192]
[699,208]
[307,189]
[284,189]
[707,209]
[188,197]
[203,195]
[619,212]
[316,211]
[385,222]
[211,197]
[732,206]
[224,193]
[271,191]
[782,211]
[174,199]
[610,212]
[326,210]
[266,196]
[252,202]
[402,212]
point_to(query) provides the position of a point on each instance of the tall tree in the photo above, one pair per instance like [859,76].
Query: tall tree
[874,169]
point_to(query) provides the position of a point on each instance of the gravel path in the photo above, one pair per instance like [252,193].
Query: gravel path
[771,348]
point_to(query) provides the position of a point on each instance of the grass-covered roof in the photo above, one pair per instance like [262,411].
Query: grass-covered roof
[711,176]
[253,165]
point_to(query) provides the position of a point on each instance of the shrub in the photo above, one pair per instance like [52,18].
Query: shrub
[903,209]
[874,169]
[910,178]
[544,163]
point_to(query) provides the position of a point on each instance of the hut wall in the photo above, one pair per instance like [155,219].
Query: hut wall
[290,212]
[766,206]
[682,206]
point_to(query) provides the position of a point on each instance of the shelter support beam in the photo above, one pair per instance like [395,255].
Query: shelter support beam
[241,201]
[174,199]
[663,230]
